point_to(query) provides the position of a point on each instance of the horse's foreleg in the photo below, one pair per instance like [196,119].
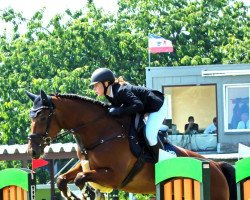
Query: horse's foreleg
[101,176]
[67,177]
[99,195]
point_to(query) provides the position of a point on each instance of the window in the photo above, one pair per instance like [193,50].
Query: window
[236,101]
[198,101]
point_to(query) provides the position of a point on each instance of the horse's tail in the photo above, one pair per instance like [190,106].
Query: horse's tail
[229,172]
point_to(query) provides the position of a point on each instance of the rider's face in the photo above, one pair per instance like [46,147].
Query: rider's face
[99,90]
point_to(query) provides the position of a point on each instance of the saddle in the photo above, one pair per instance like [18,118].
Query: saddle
[138,142]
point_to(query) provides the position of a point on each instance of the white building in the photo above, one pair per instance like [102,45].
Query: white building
[206,92]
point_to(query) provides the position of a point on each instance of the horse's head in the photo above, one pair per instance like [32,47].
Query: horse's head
[42,130]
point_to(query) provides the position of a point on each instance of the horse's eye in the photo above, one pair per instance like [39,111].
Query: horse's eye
[43,118]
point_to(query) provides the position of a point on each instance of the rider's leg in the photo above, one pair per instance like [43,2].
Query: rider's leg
[153,125]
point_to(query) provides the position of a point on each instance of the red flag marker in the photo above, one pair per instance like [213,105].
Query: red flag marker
[36,163]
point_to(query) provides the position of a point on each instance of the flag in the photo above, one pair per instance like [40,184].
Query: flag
[157,44]
[36,163]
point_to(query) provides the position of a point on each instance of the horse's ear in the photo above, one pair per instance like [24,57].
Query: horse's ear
[31,95]
[44,97]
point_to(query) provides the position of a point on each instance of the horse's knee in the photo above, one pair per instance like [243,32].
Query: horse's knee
[80,180]
[61,183]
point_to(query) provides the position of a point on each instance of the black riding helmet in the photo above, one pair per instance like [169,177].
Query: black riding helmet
[101,75]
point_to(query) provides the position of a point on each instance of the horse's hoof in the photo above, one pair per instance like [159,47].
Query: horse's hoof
[99,195]
[61,183]
[79,181]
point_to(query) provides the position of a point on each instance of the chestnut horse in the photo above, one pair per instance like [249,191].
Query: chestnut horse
[105,139]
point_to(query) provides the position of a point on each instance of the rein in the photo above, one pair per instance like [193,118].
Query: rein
[46,140]
[74,130]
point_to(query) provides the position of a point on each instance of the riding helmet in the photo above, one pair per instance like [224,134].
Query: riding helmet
[102,75]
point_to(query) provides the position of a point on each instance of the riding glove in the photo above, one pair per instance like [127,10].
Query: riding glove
[115,111]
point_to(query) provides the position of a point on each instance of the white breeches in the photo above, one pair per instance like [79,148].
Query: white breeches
[154,123]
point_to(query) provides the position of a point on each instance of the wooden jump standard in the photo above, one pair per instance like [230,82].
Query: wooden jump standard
[17,184]
[243,179]
[182,178]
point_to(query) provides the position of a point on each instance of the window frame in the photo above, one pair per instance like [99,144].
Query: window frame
[226,87]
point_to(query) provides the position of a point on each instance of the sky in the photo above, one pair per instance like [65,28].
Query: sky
[29,7]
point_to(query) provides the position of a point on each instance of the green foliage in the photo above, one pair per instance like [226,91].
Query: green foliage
[61,55]
[42,175]
[124,196]
[10,164]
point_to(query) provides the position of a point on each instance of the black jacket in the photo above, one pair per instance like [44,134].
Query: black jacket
[195,127]
[135,99]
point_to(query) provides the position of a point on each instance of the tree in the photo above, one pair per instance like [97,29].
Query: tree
[60,56]
[199,29]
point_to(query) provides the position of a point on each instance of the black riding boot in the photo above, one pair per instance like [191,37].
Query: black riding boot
[155,150]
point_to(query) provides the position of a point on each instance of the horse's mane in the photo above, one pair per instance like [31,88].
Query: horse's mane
[82,98]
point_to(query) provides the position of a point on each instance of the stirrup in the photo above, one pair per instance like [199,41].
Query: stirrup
[155,150]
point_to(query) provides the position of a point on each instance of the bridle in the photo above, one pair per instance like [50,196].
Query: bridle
[45,139]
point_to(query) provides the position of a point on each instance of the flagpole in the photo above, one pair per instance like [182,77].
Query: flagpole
[149,58]
[149,35]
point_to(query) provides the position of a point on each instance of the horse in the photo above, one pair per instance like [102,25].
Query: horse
[104,140]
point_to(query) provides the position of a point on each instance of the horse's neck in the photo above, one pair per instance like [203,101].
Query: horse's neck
[93,120]
[73,114]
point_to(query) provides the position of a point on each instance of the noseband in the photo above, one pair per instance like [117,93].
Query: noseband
[43,139]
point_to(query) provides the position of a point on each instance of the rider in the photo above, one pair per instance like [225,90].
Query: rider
[128,99]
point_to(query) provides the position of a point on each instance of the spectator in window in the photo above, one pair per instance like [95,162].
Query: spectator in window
[244,123]
[191,127]
[212,128]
